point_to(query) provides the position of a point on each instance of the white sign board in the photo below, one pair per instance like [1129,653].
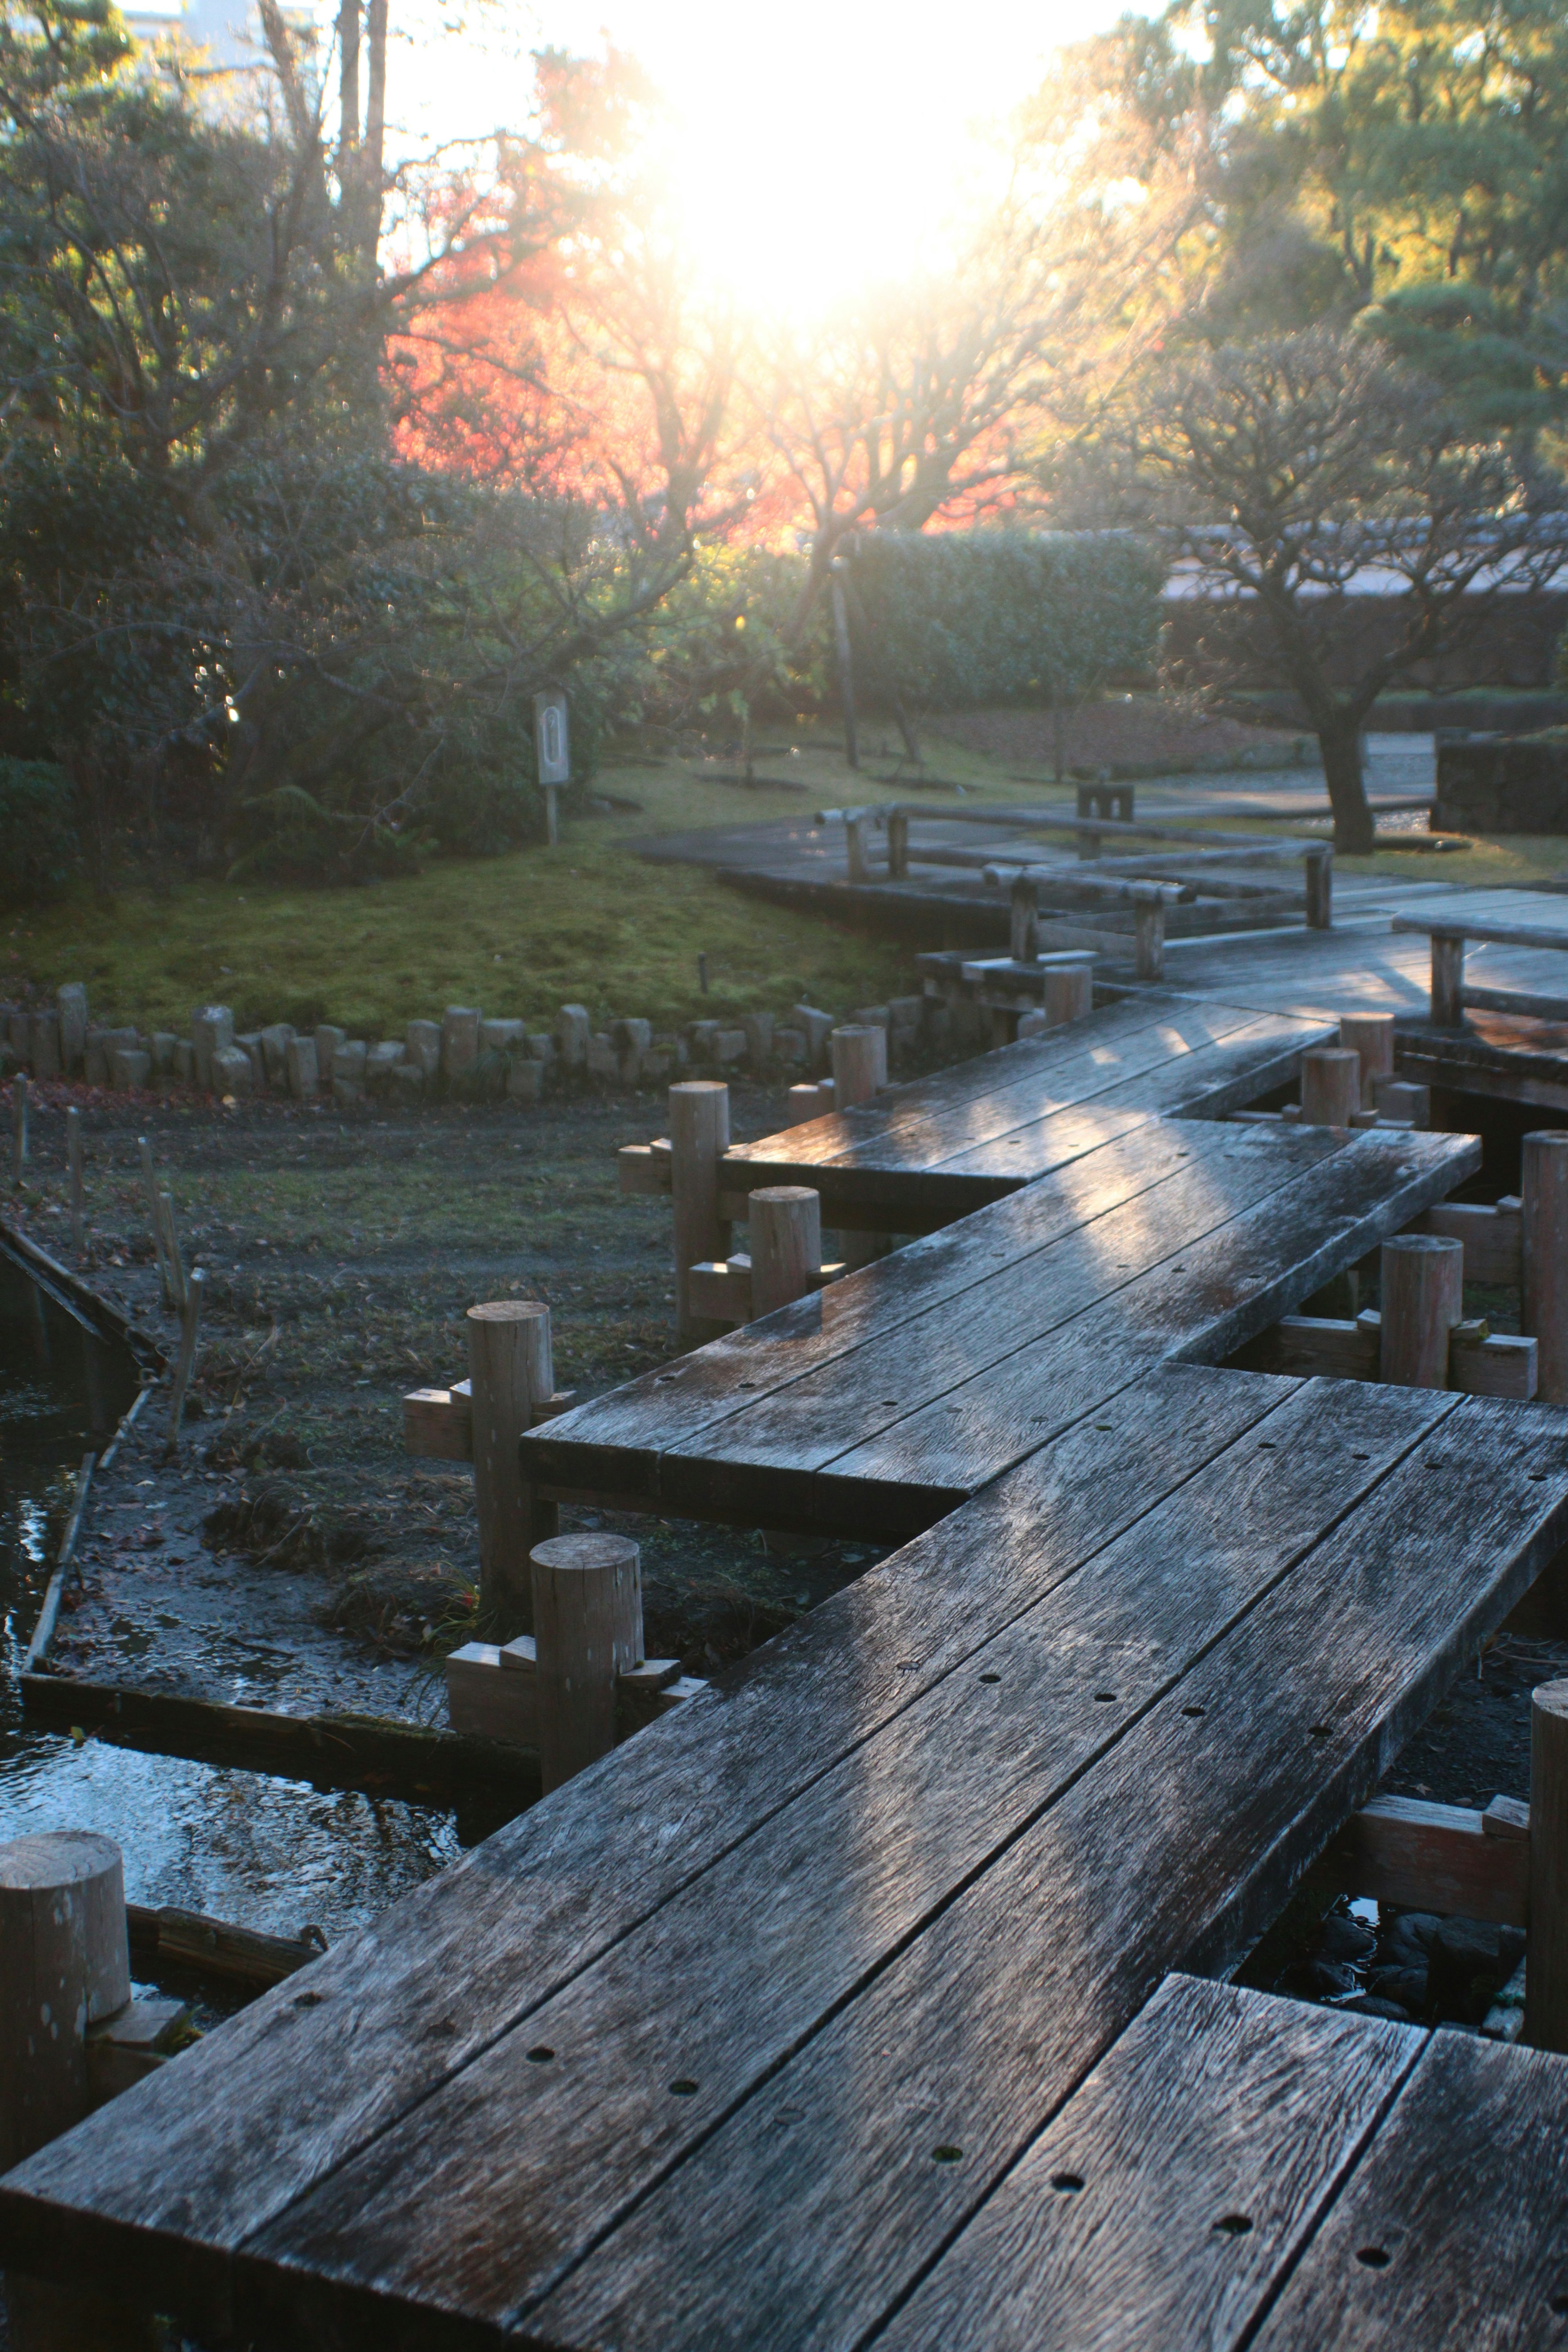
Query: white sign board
[552,742]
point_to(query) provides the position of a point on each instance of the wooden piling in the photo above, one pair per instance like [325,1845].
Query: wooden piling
[179,1287]
[859,1051]
[898,846]
[1448,982]
[1148,931]
[1069,993]
[1023,918]
[587,1623]
[786,1222]
[510,1373]
[65,1964]
[1319,877]
[1370,1036]
[18,1128]
[855,847]
[698,1137]
[156,1219]
[804,1102]
[1331,1086]
[190,1324]
[78,1182]
[1543,1160]
[1546,1968]
[1423,1298]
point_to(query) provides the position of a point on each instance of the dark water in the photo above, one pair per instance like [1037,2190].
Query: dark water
[266,1853]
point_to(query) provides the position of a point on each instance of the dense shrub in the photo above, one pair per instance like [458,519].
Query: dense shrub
[40,842]
[960,619]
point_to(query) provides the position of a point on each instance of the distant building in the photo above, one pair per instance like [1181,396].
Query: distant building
[217,48]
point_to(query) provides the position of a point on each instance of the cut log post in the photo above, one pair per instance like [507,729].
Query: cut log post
[859,1051]
[510,1372]
[72,1001]
[1448,982]
[1370,1035]
[190,1324]
[18,1128]
[1149,932]
[898,846]
[1546,1974]
[1069,993]
[1331,1086]
[78,1182]
[1319,879]
[179,1287]
[65,1964]
[804,1102]
[1423,1298]
[699,1139]
[855,845]
[588,1626]
[786,1245]
[1545,1258]
[1398,1099]
[1023,918]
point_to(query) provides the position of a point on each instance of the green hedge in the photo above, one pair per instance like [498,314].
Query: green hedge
[40,844]
[962,618]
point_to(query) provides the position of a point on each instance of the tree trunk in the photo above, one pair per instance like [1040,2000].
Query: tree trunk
[348,89]
[1339,742]
[374,126]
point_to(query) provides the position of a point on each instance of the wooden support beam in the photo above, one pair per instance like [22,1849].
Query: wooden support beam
[1444,1858]
[720,1289]
[1070,992]
[1331,1086]
[699,1139]
[1481,1364]
[1400,1101]
[1023,918]
[1448,981]
[1319,865]
[786,1246]
[1544,1256]
[510,1371]
[1149,932]
[1546,1981]
[63,1965]
[859,1051]
[587,1618]
[644,1168]
[1493,1238]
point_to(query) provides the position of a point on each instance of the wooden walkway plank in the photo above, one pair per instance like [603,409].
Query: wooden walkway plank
[614,1444]
[293,2087]
[720,1985]
[1197,1267]
[1456,2223]
[806,2216]
[1158,2208]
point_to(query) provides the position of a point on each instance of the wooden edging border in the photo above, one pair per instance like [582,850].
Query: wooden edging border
[80,1298]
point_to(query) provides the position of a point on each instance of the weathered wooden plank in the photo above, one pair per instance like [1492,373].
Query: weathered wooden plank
[1178,2183]
[1461,927]
[809,2213]
[1200,1301]
[1452,2227]
[722,1983]
[1432,1857]
[1493,1238]
[917,1418]
[280,2095]
[613,1445]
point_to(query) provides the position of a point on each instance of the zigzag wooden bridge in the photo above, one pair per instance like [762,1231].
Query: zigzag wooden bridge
[869,1995]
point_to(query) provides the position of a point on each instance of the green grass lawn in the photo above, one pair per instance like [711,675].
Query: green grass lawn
[588,922]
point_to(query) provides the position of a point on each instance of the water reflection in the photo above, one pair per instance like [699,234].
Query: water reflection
[268,1853]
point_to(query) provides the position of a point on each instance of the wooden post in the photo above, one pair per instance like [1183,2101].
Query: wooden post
[859,1051]
[1546,1967]
[551,816]
[18,1128]
[588,1626]
[190,1324]
[804,1102]
[1069,993]
[78,1182]
[1024,916]
[1543,1159]
[1370,1035]
[179,1290]
[699,1139]
[898,846]
[855,848]
[786,1222]
[510,1373]
[1423,1298]
[65,1964]
[1331,1086]
[1448,982]
[1320,887]
[1149,932]
[154,1218]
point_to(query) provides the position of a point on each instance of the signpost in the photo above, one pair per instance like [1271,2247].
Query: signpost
[552,752]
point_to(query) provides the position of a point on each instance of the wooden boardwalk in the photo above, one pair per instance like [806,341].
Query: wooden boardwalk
[858,1999]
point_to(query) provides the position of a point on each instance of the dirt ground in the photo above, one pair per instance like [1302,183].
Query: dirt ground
[1128,732]
[339,1258]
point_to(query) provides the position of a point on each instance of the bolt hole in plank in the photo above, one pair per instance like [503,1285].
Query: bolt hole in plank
[1318,1731]
[1375,2257]
[1068,2183]
[1233,2225]
[1105,1698]
[990,1678]
[945,2155]
[1557,2303]
[1192,1710]
[541,2055]
[307,2001]
[683,2087]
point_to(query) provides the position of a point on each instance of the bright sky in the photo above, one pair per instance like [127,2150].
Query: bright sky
[816,144]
